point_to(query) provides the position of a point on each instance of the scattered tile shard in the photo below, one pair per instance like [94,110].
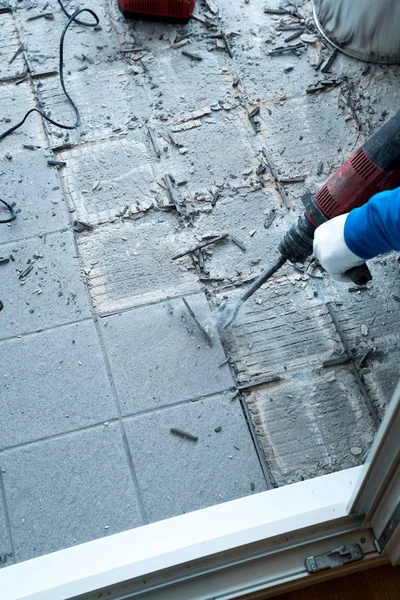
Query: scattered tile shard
[227,43]
[172,194]
[269,219]
[324,85]
[80,226]
[17,53]
[274,174]
[154,142]
[184,434]
[281,49]
[238,243]
[336,361]
[213,240]
[56,163]
[192,55]
[326,67]
[356,450]
[202,329]
[249,386]
[308,38]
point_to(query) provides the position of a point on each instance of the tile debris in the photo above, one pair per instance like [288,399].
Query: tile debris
[204,330]
[184,434]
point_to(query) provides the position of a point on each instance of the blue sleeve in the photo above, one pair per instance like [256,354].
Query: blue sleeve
[374,228]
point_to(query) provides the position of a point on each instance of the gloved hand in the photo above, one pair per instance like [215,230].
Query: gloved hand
[331,250]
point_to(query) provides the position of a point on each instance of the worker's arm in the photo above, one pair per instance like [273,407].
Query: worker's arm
[348,240]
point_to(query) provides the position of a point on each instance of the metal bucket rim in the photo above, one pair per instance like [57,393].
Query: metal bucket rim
[351,53]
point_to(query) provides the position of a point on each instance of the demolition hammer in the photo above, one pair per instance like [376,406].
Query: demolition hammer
[373,168]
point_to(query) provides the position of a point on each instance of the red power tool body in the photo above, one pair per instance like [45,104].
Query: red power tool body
[373,168]
[176,11]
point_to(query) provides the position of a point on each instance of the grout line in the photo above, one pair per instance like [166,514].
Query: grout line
[68,201]
[151,303]
[268,476]
[39,236]
[44,329]
[56,436]
[265,468]
[122,428]
[175,404]
[7,515]
[353,366]
[111,420]
[84,278]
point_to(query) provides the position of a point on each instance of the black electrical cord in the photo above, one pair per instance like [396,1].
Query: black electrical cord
[12,212]
[71,19]
[78,21]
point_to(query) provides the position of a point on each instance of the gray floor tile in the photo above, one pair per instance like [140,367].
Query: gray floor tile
[51,294]
[177,475]
[15,101]
[159,357]
[6,553]
[52,382]
[10,44]
[41,37]
[34,187]
[68,490]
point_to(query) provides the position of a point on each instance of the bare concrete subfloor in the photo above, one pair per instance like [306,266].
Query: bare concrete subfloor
[100,356]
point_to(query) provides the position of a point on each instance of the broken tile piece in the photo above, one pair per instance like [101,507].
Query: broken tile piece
[356,450]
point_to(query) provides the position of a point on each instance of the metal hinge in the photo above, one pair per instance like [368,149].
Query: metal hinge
[334,558]
[389,530]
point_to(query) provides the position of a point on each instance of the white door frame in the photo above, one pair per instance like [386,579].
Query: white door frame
[377,494]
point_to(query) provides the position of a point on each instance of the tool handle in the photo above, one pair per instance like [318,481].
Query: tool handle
[265,275]
[359,275]
[383,147]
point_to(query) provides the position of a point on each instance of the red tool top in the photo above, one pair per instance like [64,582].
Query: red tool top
[178,11]
[373,168]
